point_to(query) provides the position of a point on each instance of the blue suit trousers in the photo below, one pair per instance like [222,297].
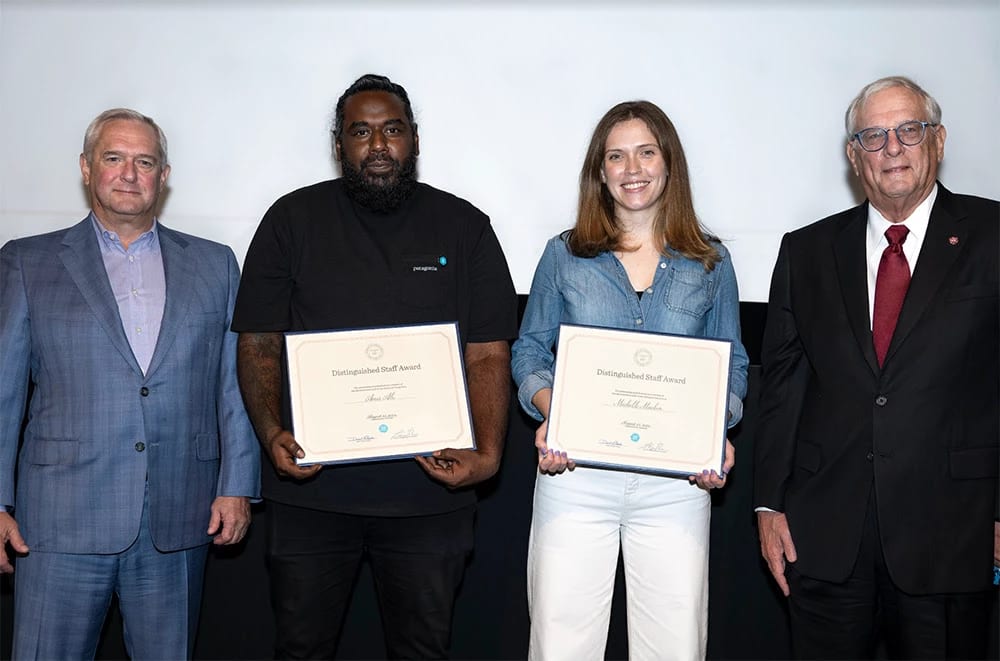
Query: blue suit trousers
[61,600]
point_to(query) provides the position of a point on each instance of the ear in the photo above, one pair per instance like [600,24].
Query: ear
[604,177]
[336,150]
[164,173]
[852,156]
[85,170]
[941,134]
[416,144]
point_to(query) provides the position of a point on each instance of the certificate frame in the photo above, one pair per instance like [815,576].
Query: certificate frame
[377,394]
[640,401]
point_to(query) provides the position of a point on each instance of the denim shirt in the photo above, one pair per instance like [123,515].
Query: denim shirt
[684,299]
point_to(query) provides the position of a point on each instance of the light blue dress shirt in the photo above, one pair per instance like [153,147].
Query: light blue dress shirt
[139,285]
[684,299]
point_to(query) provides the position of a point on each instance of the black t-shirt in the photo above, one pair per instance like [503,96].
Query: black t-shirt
[320,262]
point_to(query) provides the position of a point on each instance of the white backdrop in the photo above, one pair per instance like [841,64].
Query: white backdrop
[506,95]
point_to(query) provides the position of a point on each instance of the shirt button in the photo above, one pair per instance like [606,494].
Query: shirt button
[135,292]
[649,291]
[881,400]
[638,322]
[663,265]
[144,391]
[131,259]
[138,331]
[870,456]
[140,446]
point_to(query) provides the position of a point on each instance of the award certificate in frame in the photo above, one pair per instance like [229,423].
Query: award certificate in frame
[377,394]
[640,401]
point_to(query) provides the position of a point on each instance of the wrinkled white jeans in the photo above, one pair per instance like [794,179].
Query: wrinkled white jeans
[663,525]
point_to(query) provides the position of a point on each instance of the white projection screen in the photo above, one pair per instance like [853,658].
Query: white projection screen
[506,95]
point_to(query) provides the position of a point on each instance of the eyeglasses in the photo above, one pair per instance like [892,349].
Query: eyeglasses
[908,133]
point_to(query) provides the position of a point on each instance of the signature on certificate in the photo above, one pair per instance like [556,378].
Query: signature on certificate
[636,404]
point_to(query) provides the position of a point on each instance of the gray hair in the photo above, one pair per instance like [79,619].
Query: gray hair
[96,126]
[932,111]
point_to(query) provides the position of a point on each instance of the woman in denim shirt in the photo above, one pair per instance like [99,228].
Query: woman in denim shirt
[636,259]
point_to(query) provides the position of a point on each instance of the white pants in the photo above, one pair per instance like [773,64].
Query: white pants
[578,519]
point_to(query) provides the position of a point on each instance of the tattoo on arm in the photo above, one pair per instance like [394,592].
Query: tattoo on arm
[259,370]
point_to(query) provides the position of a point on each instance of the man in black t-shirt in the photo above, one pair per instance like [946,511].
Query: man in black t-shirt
[373,248]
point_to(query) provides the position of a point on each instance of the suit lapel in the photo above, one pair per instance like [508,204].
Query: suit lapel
[852,271]
[944,243]
[179,276]
[81,256]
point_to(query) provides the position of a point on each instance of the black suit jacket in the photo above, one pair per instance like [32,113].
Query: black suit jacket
[922,431]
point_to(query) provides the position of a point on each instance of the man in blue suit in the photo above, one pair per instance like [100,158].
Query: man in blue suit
[137,451]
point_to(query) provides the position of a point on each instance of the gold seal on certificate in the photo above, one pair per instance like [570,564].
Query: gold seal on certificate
[384,393]
[642,401]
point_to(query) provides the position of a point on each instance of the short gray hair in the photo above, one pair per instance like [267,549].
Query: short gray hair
[96,126]
[932,111]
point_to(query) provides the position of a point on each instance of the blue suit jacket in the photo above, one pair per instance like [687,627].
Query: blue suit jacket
[98,430]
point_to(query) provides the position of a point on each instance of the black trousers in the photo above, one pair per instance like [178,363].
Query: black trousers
[417,562]
[847,620]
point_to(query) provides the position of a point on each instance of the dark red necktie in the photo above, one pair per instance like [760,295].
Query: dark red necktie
[890,289]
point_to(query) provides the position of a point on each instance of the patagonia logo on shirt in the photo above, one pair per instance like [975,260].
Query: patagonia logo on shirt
[424,263]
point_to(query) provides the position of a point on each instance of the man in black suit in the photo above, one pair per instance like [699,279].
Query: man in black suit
[876,460]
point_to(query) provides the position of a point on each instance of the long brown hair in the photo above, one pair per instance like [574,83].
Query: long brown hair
[676,223]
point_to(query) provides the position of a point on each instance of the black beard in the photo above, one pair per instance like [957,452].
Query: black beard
[380,193]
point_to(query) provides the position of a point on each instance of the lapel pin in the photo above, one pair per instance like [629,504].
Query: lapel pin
[953,240]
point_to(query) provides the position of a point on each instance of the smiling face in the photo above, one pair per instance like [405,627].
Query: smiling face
[124,176]
[634,171]
[896,178]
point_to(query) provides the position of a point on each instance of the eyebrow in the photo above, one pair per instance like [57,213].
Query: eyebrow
[389,122]
[115,152]
[889,128]
[643,146]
